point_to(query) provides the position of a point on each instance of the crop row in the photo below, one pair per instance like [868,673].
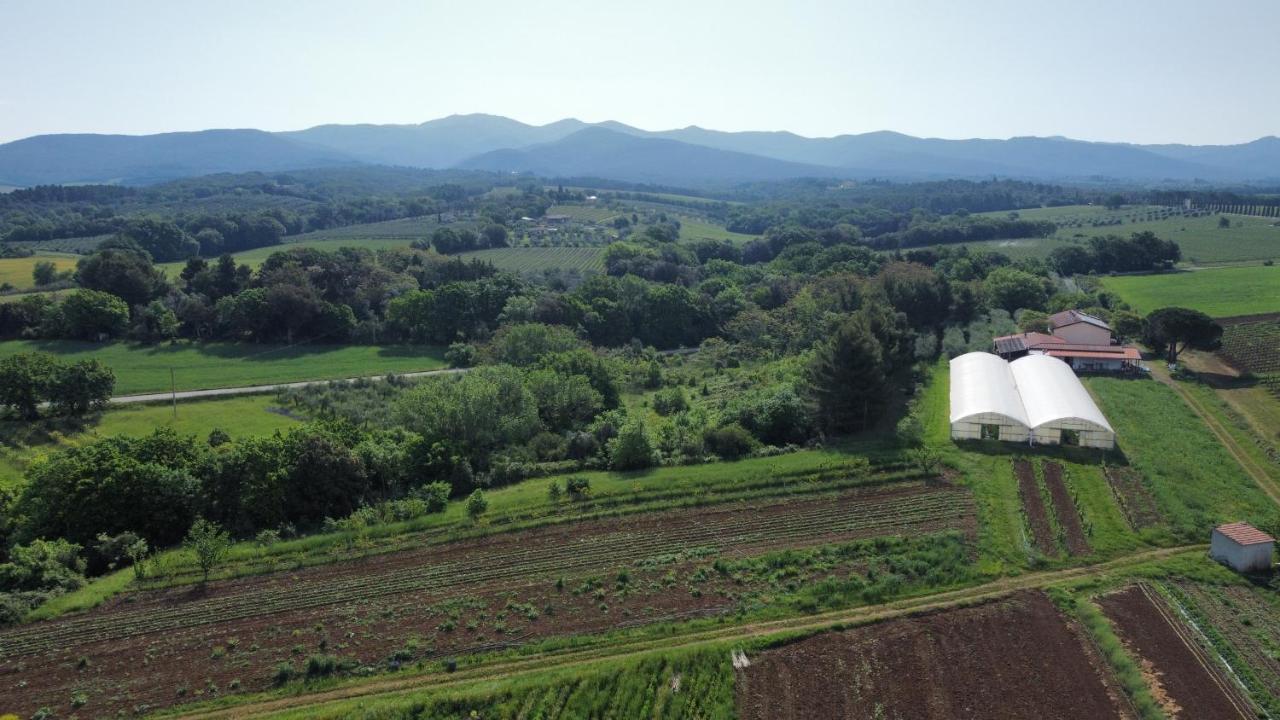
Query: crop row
[1237,618]
[1254,346]
[579,550]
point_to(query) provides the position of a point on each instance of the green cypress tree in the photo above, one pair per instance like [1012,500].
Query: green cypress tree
[847,379]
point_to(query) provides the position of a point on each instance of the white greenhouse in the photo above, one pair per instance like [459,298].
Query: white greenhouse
[1035,399]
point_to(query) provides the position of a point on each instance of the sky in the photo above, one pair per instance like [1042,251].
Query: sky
[1148,71]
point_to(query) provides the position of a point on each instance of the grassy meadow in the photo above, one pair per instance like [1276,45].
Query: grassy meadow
[1218,292]
[17,271]
[145,368]
[22,442]
[1249,239]
[692,228]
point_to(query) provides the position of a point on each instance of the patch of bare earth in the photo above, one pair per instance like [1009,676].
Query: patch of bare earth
[1033,506]
[1182,676]
[1064,508]
[1013,659]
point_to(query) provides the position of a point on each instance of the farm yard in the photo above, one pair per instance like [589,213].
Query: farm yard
[200,366]
[1217,292]
[487,592]
[539,259]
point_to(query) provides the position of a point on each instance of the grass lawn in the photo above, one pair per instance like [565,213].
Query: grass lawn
[21,442]
[17,271]
[1218,292]
[145,368]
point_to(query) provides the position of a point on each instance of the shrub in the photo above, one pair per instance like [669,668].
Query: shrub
[460,355]
[578,487]
[477,505]
[209,542]
[554,492]
[632,449]
[283,673]
[319,666]
[731,441]
[435,495]
[670,401]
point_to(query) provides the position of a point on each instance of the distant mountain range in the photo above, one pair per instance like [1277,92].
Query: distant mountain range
[690,156]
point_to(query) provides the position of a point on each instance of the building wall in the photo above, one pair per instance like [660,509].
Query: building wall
[971,428]
[1090,436]
[1084,334]
[1095,365]
[1243,558]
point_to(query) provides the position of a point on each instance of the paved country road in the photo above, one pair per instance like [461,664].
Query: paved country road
[254,389]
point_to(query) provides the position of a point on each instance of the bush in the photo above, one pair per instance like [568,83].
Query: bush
[283,673]
[460,355]
[578,487]
[435,495]
[477,505]
[319,666]
[730,442]
[670,401]
[632,449]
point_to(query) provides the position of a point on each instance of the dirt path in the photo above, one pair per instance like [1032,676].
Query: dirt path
[1250,466]
[257,389]
[581,659]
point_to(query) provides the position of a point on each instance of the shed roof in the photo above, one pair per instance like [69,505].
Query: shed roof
[982,383]
[1051,392]
[1244,533]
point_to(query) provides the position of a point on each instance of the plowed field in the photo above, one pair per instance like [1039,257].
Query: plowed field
[1183,677]
[1064,508]
[154,649]
[1017,658]
[1033,506]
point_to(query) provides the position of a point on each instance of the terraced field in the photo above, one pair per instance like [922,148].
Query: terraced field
[144,648]
[537,259]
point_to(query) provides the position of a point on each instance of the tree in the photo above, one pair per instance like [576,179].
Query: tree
[164,240]
[632,449]
[45,272]
[1114,201]
[1174,329]
[1125,324]
[209,543]
[156,322]
[846,379]
[477,505]
[25,379]
[1033,321]
[126,274]
[80,387]
[1224,222]
[1012,289]
[918,291]
[495,236]
[94,315]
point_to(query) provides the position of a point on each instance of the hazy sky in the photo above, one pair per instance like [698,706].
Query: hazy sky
[1135,70]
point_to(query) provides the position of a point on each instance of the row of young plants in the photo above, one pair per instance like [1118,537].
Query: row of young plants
[859,515]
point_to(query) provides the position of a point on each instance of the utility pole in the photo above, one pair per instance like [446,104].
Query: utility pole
[173,389]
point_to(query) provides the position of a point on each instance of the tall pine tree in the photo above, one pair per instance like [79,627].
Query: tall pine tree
[847,379]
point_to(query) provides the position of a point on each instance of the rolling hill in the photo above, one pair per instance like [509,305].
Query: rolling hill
[687,156]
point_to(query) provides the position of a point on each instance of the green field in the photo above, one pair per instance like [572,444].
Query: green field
[15,297]
[22,442]
[692,228]
[1218,292]
[537,259]
[585,213]
[1201,240]
[145,368]
[17,271]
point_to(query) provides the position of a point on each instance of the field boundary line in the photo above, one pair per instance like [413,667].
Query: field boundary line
[565,660]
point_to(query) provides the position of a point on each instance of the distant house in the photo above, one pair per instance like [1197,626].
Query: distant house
[555,219]
[1242,547]
[1081,340]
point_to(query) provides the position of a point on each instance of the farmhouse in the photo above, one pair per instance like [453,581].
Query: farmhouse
[1034,399]
[1242,547]
[1081,340]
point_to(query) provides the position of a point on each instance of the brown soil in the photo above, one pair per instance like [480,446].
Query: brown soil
[1135,498]
[1033,506]
[1014,659]
[149,650]
[1183,677]
[1064,508]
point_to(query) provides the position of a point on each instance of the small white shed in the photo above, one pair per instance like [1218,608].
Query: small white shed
[1242,546]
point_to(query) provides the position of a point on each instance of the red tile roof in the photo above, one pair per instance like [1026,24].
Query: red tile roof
[1071,317]
[1115,352]
[1244,533]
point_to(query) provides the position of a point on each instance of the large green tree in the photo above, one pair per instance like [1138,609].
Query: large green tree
[1174,329]
[25,379]
[94,315]
[847,379]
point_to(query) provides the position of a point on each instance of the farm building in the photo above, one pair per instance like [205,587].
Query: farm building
[1034,399]
[1080,340]
[1242,547]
